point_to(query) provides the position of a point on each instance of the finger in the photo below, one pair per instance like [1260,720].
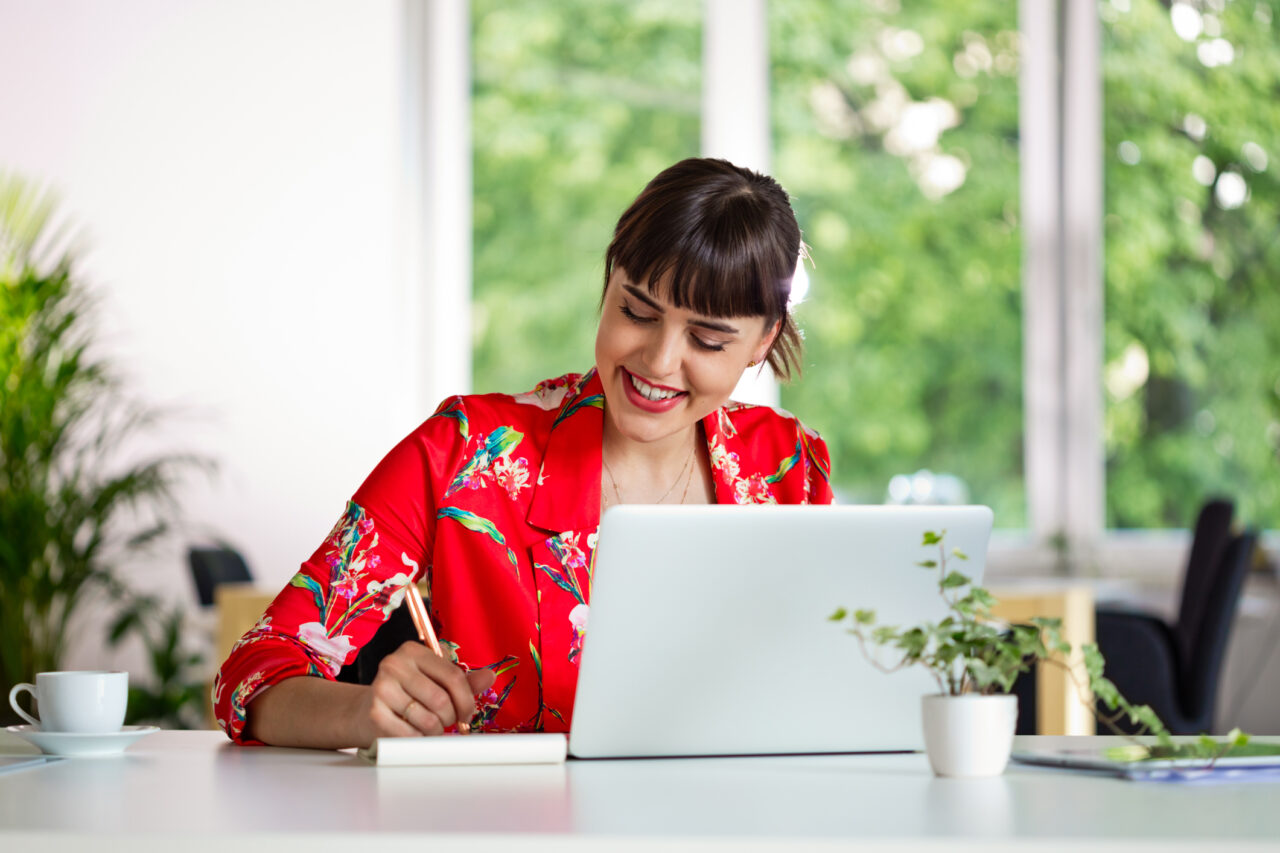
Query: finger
[447,692]
[387,723]
[481,680]
[407,694]
[402,715]
[423,721]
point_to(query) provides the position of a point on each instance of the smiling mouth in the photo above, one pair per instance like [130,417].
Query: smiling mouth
[652,393]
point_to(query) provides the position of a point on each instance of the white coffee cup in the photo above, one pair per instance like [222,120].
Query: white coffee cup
[76,701]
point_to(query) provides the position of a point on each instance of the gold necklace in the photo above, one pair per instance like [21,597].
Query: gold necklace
[687,467]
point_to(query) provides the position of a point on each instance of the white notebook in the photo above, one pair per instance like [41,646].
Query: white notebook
[455,749]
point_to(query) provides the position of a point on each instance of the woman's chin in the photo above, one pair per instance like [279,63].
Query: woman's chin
[644,427]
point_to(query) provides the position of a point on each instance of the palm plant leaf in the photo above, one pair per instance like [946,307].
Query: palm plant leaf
[72,507]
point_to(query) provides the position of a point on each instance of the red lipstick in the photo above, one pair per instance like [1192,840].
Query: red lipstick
[643,403]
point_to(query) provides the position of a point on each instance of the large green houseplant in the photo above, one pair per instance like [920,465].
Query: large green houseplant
[72,509]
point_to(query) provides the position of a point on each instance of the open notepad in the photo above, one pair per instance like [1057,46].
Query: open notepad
[455,749]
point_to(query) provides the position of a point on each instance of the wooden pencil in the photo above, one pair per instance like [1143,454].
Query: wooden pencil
[427,633]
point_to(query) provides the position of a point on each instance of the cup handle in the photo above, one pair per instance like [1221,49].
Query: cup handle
[13,701]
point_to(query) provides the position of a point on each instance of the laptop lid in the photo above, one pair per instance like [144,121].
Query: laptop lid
[709,630]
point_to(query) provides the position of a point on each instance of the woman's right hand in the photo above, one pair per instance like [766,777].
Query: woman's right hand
[417,692]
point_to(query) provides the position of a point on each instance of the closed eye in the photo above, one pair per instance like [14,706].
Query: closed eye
[634,317]
[645,321]
[701,344]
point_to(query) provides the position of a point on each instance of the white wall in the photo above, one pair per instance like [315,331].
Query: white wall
[235,165]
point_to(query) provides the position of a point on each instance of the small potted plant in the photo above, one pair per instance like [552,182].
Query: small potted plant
[975,659]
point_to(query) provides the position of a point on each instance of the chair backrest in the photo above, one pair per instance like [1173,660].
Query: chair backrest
[1202,668]
[213,566]
[1209,543]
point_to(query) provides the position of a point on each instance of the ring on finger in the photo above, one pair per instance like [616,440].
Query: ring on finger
[407,708]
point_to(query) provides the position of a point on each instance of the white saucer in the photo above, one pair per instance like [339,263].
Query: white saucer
[77,744]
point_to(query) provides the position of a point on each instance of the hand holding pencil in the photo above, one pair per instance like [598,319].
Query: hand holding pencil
[427,634]
[418,691]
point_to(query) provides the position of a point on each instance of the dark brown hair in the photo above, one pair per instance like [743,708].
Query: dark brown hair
[729,239]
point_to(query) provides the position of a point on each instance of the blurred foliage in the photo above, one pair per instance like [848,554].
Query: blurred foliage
[71,511]
[174,696]
[896,132]
[913,321]
[576,105]
[1193,283]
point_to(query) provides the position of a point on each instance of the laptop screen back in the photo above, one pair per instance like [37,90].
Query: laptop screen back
[709,630]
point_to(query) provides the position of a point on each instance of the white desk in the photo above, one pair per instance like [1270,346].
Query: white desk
[193,792]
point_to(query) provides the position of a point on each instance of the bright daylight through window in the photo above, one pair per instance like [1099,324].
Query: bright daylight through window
[1192,375]
[895,126]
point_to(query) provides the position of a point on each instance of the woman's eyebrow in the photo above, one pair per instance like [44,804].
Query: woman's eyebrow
[643,297]
[715,326]
[652,303]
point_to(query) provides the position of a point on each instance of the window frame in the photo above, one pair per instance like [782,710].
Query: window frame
[1060,123]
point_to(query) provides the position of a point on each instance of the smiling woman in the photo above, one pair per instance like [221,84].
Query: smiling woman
[493,504]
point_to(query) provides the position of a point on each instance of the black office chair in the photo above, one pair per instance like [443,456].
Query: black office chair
[1176,669]
[213,566]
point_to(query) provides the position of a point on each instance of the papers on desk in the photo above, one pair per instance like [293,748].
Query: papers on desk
[455,749]
[1259,762]
[1207,775]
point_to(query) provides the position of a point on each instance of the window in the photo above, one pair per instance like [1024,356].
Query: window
[896,130]
[576,106]
[1192,259]
[967,302]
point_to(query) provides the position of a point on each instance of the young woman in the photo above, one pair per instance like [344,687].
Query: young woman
[492,505]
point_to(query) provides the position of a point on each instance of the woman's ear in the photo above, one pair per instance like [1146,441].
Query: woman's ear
[762,351]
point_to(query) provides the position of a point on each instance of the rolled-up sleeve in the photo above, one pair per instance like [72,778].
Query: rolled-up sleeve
[357,577]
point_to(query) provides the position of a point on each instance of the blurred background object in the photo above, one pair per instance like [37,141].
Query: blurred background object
[75,509]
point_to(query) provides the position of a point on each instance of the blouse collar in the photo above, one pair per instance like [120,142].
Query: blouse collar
[566,495]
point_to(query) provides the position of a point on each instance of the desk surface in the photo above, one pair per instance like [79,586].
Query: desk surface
[194,791]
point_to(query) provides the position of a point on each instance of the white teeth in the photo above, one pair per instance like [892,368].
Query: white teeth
[649,392]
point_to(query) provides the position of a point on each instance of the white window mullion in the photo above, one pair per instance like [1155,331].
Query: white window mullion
[437,195]
[735,115]
[1042,333]
[1082,211]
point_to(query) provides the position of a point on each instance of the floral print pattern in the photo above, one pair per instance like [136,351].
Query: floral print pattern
[507,557]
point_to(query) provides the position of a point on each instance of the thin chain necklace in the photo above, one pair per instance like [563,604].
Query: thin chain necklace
[686,468]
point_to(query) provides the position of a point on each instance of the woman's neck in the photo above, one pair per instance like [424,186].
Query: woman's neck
[668,452]
[672,470]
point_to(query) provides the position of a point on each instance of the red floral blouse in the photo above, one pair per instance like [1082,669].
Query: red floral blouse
[492,505]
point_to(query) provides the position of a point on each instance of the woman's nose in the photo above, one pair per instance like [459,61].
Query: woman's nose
[664,353]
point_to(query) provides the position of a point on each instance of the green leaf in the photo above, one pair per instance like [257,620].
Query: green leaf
[305,581]
[864,617]
[953,580]
[479,524]
[931,538]
[128,621]
[839,615]
[958,554]
[884,634]
[981,597]
[928,564]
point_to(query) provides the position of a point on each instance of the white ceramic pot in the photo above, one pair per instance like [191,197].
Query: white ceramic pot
[970,735]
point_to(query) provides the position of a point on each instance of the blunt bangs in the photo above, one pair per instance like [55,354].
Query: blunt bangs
[718,240]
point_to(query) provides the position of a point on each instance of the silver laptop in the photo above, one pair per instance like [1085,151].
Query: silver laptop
[709,630]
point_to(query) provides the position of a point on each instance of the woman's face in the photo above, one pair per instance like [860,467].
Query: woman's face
[665,368]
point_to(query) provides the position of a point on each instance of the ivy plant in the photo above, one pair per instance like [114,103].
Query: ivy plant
[971,651]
